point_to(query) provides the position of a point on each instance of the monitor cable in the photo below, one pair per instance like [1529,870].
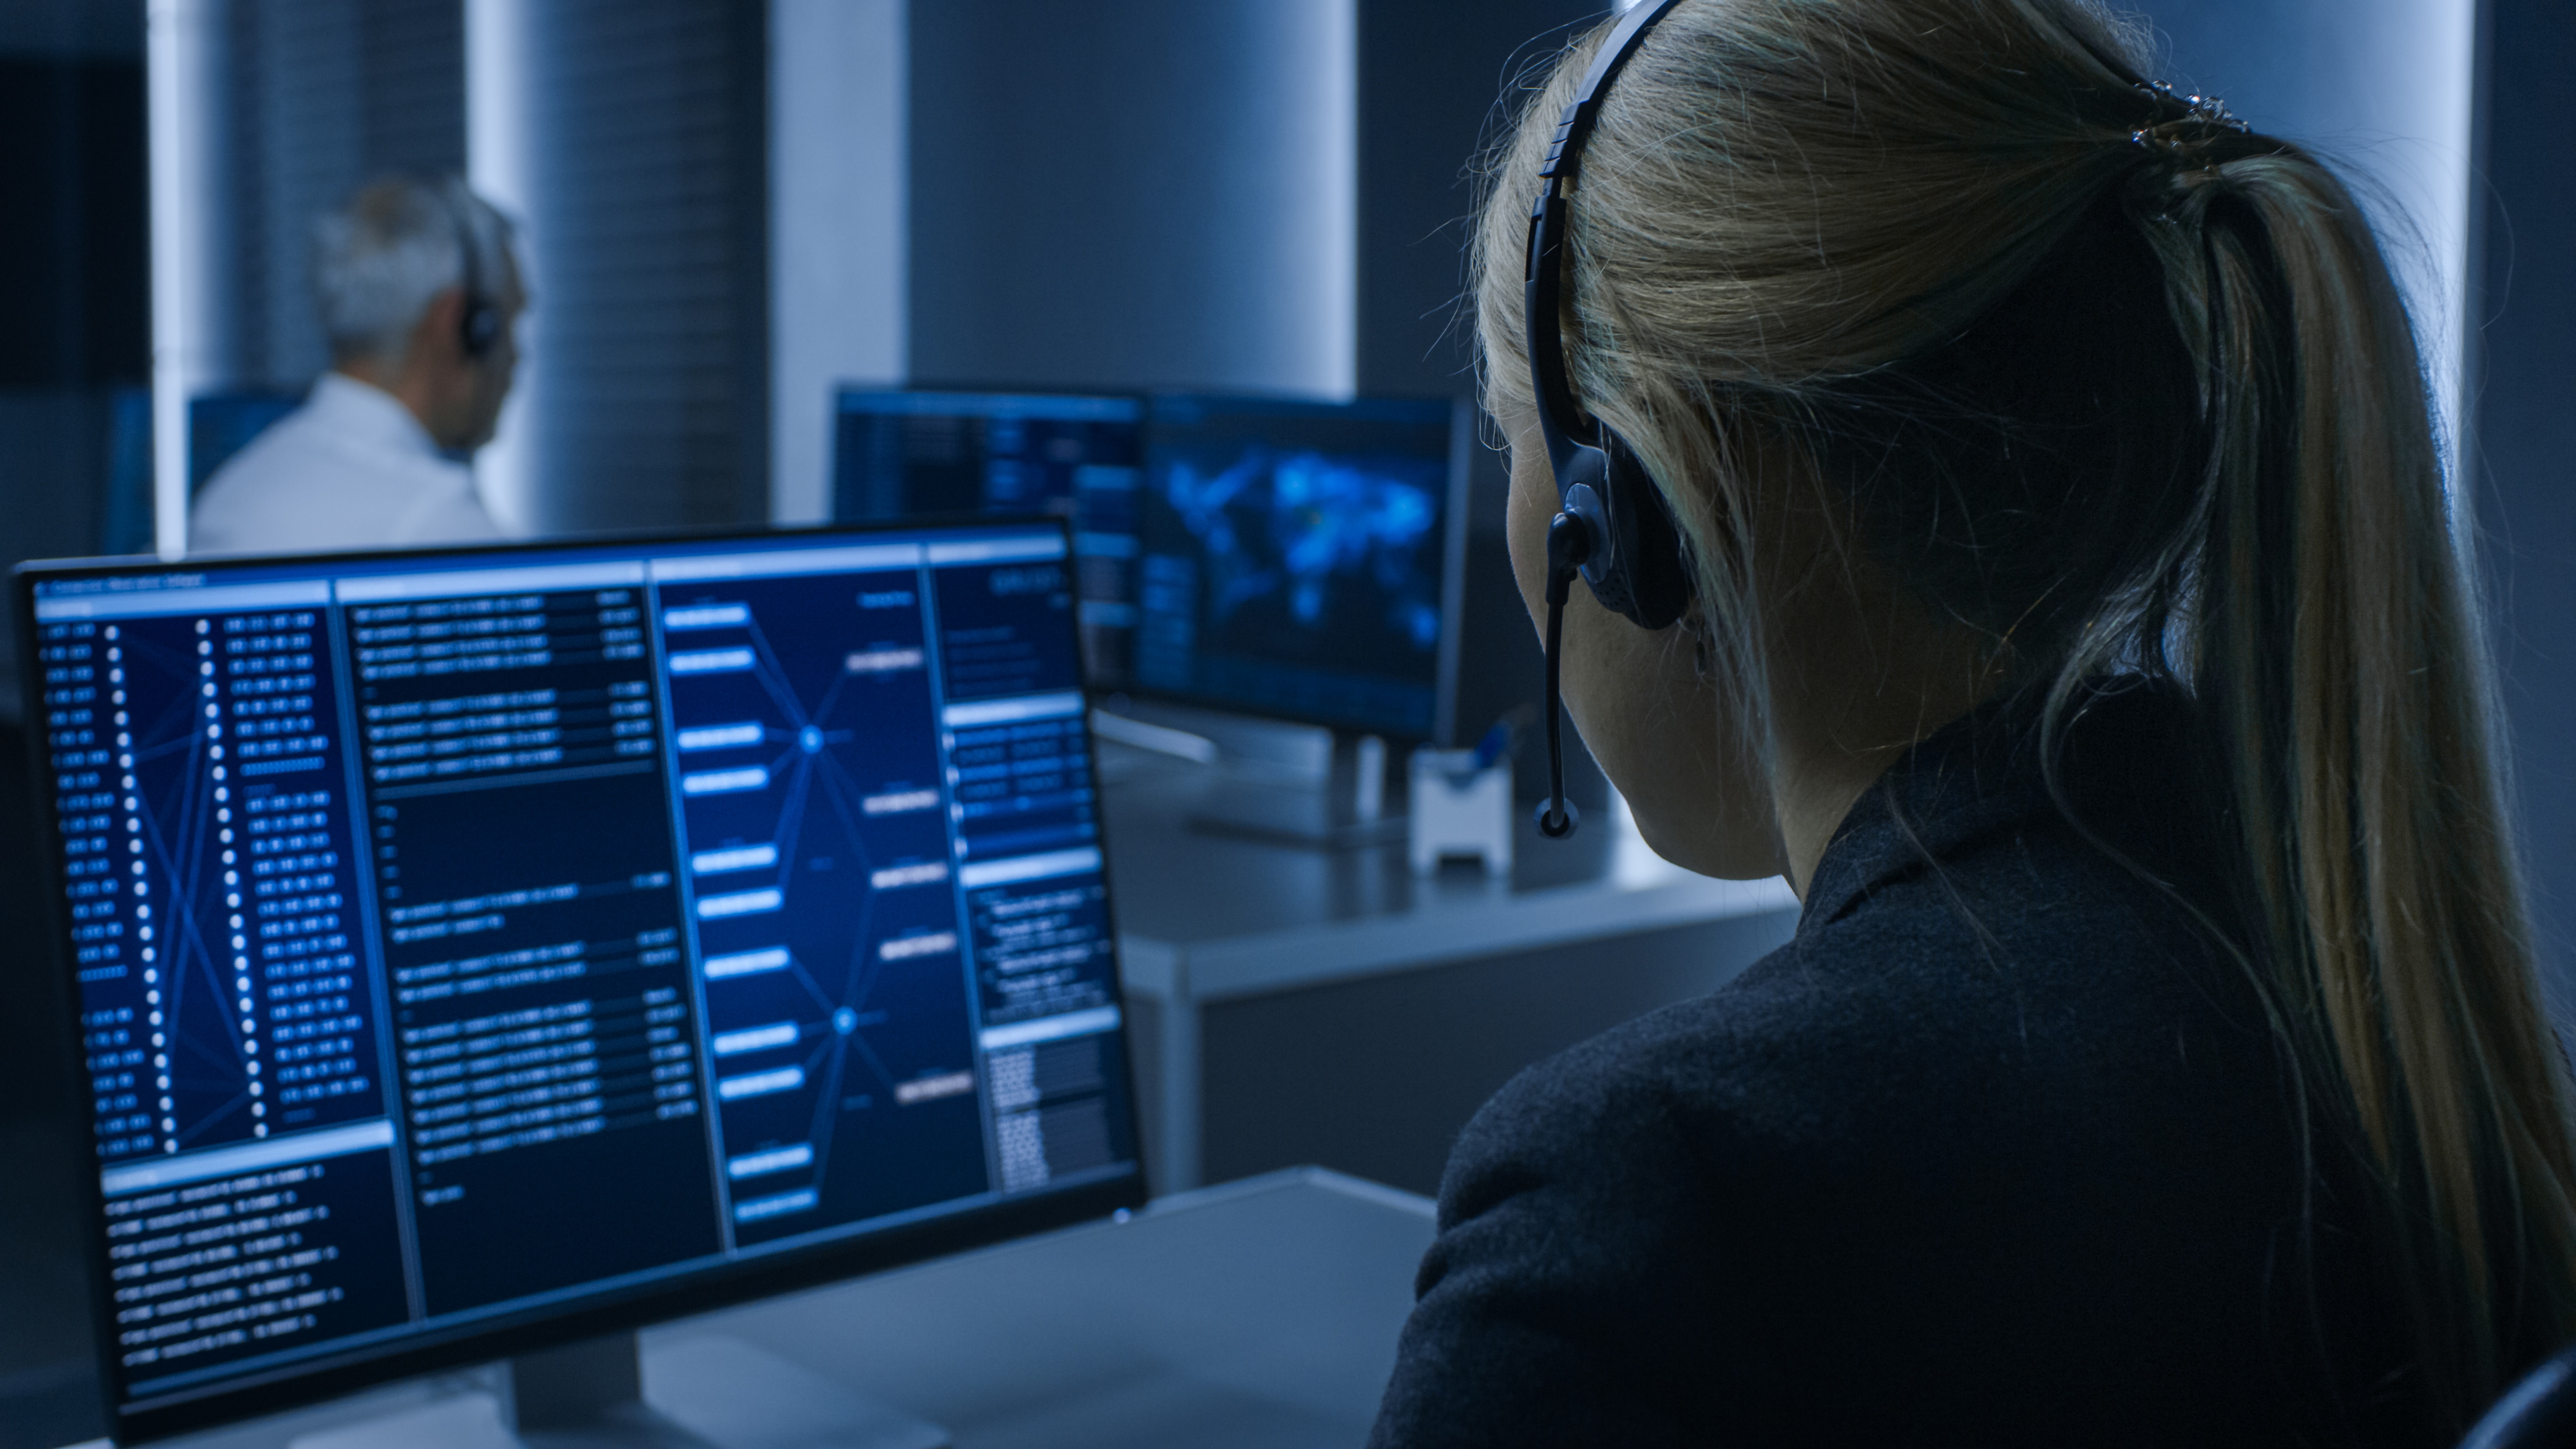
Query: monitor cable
[1569,545]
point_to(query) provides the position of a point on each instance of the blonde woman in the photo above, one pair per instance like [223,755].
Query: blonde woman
[2073,612]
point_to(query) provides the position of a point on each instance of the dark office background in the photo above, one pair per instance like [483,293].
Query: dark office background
[75,307]
[74,328]
[2522,447]
[1068,219]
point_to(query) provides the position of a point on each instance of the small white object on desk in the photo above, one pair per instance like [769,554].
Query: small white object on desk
[1459,810]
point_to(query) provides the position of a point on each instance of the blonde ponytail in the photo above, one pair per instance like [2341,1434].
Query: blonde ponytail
[2339,660]
[2130,391]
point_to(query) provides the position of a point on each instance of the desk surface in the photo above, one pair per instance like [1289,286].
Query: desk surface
[1258,1315]
[1209,914]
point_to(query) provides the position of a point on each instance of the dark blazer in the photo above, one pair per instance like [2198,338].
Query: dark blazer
[1997,1150]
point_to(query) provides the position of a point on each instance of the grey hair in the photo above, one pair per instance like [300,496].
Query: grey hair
[380,260]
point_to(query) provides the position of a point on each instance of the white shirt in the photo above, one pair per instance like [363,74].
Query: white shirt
[351,469]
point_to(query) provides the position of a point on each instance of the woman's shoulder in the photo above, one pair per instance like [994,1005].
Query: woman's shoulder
[1613,1170]
[1952,1150]
[1635,1221]
[1948,1004]
[1671,1114]
[1682,1086]
[1565,1291]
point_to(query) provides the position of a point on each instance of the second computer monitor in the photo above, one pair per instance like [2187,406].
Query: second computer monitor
[1301,559]
[909,454]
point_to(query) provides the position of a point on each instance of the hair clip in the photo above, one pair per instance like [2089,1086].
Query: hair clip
[2199,121]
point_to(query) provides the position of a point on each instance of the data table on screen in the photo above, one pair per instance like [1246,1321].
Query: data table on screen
[900,454]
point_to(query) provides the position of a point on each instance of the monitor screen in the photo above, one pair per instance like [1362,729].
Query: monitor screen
[1301,559]
[910,454]
[460,941]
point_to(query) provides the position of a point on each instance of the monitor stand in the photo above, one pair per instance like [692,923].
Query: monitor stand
[699,1391]
[1343,807]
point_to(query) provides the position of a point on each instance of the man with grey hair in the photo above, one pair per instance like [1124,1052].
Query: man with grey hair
[419,291]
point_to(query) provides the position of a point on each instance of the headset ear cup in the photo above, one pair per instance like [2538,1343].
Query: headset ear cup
[1654,577]
[480,327]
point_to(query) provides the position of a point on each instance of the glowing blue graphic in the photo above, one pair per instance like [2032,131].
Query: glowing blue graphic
[812,772]
[1325,524]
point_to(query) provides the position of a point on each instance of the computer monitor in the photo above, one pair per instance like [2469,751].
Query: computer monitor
[1302,559]
[903,454]
[476,948]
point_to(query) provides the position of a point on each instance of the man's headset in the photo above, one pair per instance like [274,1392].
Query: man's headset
[478,326]
[1612,525]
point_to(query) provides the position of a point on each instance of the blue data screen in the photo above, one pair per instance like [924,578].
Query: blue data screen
[1300,559]
[463,937]
[899,454]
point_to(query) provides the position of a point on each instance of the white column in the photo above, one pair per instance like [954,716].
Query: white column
[2427,76]
[500,164]
[2384,90]
[1324,35]
[184,61]
[837,186]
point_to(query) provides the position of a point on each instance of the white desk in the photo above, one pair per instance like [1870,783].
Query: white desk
[1292,1004]
[1258,1315]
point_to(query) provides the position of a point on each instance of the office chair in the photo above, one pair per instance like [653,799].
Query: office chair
[2538,1413]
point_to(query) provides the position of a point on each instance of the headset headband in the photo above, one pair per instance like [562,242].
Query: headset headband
[479,322]
[1612,527]
[1562,419]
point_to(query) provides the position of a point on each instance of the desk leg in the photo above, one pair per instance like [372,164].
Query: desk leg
[1179,1019]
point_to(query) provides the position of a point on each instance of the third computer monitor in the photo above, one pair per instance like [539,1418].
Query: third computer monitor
[1301,559]
[907,454]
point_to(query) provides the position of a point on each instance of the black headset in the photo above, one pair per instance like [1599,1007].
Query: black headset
[1612,525]
[478,326]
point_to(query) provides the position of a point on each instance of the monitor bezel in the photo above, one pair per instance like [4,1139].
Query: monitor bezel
[1453,564]
[636,1306]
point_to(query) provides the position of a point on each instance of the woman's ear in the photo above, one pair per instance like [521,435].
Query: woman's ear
[1696,625]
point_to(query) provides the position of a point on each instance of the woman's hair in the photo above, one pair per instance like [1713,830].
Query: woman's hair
[2125,391]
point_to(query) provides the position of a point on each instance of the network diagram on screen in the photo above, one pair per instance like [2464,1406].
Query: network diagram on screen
[463,936]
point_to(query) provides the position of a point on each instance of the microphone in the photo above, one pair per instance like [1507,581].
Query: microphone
[1569,547]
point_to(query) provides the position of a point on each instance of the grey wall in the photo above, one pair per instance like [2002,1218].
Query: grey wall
[630,137]
[1437,83]
[73,326]
[323,96]
[1376,1077]
[74,322]
[838,116]
[1150,193]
